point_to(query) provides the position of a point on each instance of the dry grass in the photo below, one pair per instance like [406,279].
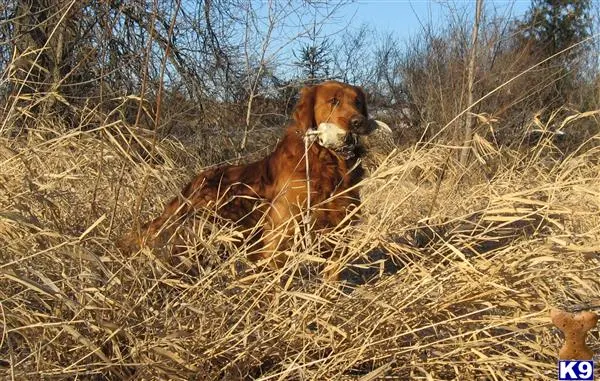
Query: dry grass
[462,265]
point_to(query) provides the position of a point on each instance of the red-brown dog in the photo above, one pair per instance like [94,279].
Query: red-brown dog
[270,196]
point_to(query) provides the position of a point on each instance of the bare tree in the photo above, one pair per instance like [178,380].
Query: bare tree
[468,132]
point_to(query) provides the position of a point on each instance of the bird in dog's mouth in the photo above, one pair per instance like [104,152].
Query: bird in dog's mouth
[330,135]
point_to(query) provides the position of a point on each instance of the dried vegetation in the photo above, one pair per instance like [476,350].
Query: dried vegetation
[450,274]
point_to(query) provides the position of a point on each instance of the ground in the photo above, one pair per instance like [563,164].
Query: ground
[465,265]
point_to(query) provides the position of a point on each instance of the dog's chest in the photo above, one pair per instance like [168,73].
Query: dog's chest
[327,178]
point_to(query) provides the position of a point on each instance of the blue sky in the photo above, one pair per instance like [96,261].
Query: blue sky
[406,17]
[294,22]
[401,18]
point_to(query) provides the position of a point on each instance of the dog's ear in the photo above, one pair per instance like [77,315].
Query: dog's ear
[304,114]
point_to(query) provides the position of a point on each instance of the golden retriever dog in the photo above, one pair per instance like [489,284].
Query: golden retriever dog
[312,173]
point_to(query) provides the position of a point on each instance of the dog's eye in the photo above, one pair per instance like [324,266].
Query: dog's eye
[334,101]
[358,102]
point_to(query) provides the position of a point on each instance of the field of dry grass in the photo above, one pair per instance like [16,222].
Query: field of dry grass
[450,274]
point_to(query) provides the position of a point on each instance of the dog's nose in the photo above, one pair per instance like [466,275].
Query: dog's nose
[357,122]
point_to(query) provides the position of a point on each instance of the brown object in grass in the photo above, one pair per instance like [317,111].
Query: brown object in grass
[575,327]
[267,197]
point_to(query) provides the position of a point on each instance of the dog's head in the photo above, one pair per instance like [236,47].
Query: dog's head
[337,112]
